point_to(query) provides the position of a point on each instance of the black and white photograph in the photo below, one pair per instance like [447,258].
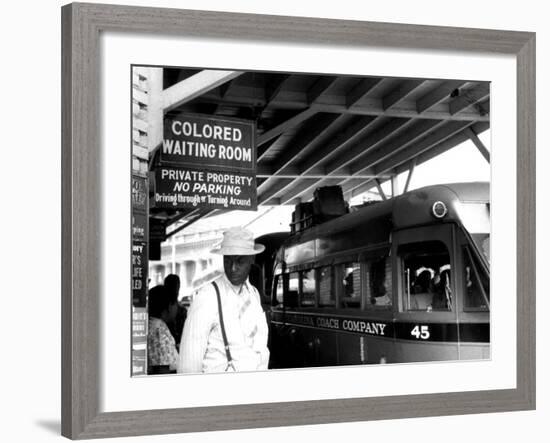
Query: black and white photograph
[267,222]
[286,220]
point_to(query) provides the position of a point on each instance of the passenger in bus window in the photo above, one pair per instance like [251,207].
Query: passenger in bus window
[472,298]
[442,296]
[422,293]
[379,287]
[351,293]
[327,296]
[474,293]
[348,283]
[308,288]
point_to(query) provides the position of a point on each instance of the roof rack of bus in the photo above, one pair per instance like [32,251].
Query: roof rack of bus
[328,203]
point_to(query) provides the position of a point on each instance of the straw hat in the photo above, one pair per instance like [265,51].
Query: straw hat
[238,241]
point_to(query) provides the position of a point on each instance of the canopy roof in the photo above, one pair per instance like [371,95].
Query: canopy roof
[321,130]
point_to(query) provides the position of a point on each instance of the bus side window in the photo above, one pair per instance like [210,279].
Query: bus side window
[308,288]
[291,295]
[279,290]
[379,282]
[476,283]
[327,296]
[351,281]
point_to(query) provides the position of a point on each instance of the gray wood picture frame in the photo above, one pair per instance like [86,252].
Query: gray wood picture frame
[81,174]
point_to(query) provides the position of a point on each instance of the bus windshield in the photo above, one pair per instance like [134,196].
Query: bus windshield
[483,244]
[475,218]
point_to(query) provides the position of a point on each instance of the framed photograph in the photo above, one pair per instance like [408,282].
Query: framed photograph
[351,193]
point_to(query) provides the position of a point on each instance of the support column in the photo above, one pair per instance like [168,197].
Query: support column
[394,185]
[479,144]
[380,190]
[409,175]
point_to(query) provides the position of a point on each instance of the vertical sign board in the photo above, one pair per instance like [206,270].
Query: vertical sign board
[206,162]
[139,227]
[139,240]
[139,194]
[139,273]
[139,341]
[139,269]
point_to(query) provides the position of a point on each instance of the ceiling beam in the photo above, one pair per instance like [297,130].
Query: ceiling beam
[361,90]
[350,135]
[265,148]
[370,106]
[312,94]
[320,174]
[274,86]
[286,125]
[445,145]
[404,156]
[340,164]
[225,87]
[288,172]
[272,89]
[318,88]
[299,186]
[223,90]
[309,135]
[273,190]
[440,132]
[194,86]
[314,130]
[339,142]
[404,109]
[393,147]
[304,191]
[484,106]
[427,155]
[367,144]
[437,95]
[414,133]
[294,183]
[400,92]
[469,97]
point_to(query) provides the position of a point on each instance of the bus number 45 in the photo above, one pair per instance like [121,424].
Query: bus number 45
[421,332]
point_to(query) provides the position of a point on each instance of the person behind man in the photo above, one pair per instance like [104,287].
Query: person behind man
[162,354]
[227,311]
[172,285]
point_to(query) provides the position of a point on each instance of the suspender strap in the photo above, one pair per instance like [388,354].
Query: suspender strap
[226,344]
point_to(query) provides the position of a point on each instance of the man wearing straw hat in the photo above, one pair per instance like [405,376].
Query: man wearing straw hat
[226,328]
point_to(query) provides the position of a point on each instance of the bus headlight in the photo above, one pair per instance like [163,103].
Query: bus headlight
[439,209]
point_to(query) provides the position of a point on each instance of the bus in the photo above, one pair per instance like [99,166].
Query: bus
[400,280]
